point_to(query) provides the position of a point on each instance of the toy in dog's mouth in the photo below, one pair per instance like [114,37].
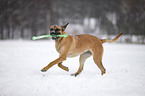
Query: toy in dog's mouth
[55,35]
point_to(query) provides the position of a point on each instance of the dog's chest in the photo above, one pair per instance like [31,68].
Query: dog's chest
[57,47]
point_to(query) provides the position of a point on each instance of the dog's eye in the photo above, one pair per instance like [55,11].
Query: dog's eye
[51,29]
[57,29]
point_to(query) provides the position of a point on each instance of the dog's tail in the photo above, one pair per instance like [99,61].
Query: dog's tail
[109,40]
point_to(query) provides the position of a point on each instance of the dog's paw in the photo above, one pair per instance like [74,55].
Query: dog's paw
[75,74]
[103,72]
[44,69]
[67,69]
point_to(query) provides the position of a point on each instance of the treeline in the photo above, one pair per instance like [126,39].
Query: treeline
[24,18]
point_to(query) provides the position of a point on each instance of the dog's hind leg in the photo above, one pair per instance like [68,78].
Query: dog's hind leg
[82,60]
[100,65]
[97,56]
[63,67]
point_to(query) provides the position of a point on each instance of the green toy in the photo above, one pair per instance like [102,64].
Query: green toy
[46,36]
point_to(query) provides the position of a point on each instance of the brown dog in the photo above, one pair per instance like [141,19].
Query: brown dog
[84,45]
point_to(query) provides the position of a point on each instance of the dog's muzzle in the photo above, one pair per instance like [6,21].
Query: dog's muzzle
[54,35]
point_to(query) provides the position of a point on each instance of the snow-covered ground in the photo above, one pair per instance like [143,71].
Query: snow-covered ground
[21,62]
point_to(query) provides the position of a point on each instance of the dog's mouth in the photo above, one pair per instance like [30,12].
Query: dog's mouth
[55,38]
[55,35]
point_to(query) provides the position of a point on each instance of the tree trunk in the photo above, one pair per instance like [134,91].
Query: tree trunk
[1,33]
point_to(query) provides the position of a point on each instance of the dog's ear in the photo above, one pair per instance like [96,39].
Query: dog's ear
[64,26]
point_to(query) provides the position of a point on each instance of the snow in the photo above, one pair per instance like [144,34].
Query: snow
[21,62]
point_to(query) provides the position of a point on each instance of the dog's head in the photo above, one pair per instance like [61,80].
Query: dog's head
[57,30]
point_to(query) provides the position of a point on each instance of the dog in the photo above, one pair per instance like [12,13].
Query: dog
[84,45]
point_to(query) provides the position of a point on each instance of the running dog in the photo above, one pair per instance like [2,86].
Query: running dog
[84,45]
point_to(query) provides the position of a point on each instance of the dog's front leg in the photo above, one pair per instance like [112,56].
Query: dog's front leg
[60,59]
[63,67]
